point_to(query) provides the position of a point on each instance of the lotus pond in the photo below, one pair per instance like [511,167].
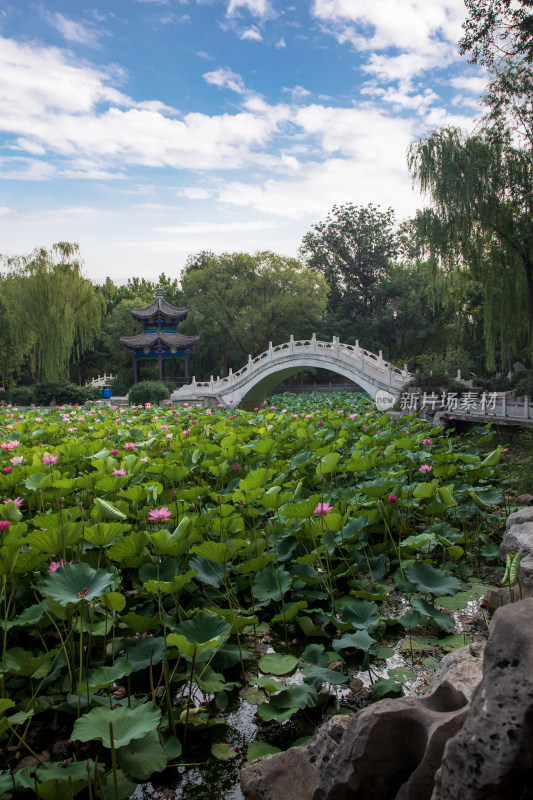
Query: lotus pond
[183,590]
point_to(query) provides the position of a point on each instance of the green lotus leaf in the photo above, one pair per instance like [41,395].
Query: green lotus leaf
[441,619]
[32,481]
[18,661]
[271,584]
[429,580]
[105,532]
[302,510]
[76,583]
[140,652]
[128,546]
[128,724]
[113,601]
[223,752]
[143,756]
[359,640]
[259,749]
[328,463]
[29,617]
[387,687]
[277,663]
[107,510]
[316,676]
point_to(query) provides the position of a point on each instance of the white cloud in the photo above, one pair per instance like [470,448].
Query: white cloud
[72,31]
[259,8]
[297,92]
[219,227]
[5,211]
[195,193]
[225,78]
[252,34]
[473,84]
[280,44]
[425,32]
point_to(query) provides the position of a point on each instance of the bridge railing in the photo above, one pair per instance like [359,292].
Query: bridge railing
[496,406]
[101,380]
[354,355]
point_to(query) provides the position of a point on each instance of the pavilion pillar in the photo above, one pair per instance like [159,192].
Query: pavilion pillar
[135,368]
[186,365]
[160,365]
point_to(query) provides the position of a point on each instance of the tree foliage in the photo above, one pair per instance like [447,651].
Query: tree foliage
[352,249]
[481,190]
[498,30]
[240,302]
[52,310]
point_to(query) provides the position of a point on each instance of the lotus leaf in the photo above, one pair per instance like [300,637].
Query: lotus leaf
[429,580]
[278,664]
[76,584]
[128,724]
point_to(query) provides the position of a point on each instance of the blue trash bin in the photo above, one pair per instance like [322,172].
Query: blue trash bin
[107,392]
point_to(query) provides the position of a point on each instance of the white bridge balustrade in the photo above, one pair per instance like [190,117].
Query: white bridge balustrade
[253,382]
[101,380]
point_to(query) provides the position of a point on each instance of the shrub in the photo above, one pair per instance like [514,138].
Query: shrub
[22,395]
[522,382]
[119,387]
[59,393]
[90,393]
[148,392]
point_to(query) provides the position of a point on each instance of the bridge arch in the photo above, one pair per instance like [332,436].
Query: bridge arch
[252,384]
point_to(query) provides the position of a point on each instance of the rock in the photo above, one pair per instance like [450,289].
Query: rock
[393,748]
[462,668]
[293,775]
[492,756]
[496,598]
[524,499]
[519,517]
[518,538]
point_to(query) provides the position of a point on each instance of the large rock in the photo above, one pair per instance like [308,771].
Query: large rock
[462,668]
[492,756]
[393,748]
[293,774]
[518,538]
[393,743]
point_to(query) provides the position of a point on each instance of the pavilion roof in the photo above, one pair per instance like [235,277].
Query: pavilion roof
[164,338]
[159,308]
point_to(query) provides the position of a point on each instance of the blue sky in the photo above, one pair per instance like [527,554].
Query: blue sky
[148,130]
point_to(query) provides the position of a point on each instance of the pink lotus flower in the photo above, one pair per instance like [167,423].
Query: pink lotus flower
[7,470]
[392,498]
[159,514]
[4,525]
[56,564]
[320,422]
[129,446]
[322,509]
[49,459]
[119,472]
[425,468]
[113,452]
[427,442]
[185,433]
[18,501]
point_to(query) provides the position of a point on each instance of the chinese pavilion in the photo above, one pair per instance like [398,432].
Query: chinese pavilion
[160,339]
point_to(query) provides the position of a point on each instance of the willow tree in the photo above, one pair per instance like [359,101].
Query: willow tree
[51,307]
[481,192]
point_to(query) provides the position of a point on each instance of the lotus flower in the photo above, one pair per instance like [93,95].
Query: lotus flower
[322,509]
[159,514]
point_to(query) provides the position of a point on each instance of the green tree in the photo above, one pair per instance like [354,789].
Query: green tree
[352,249]
[240,302]
[497,31]
[51,308]
[481,189]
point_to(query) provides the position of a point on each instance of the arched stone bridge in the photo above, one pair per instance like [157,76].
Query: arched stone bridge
[256,380]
